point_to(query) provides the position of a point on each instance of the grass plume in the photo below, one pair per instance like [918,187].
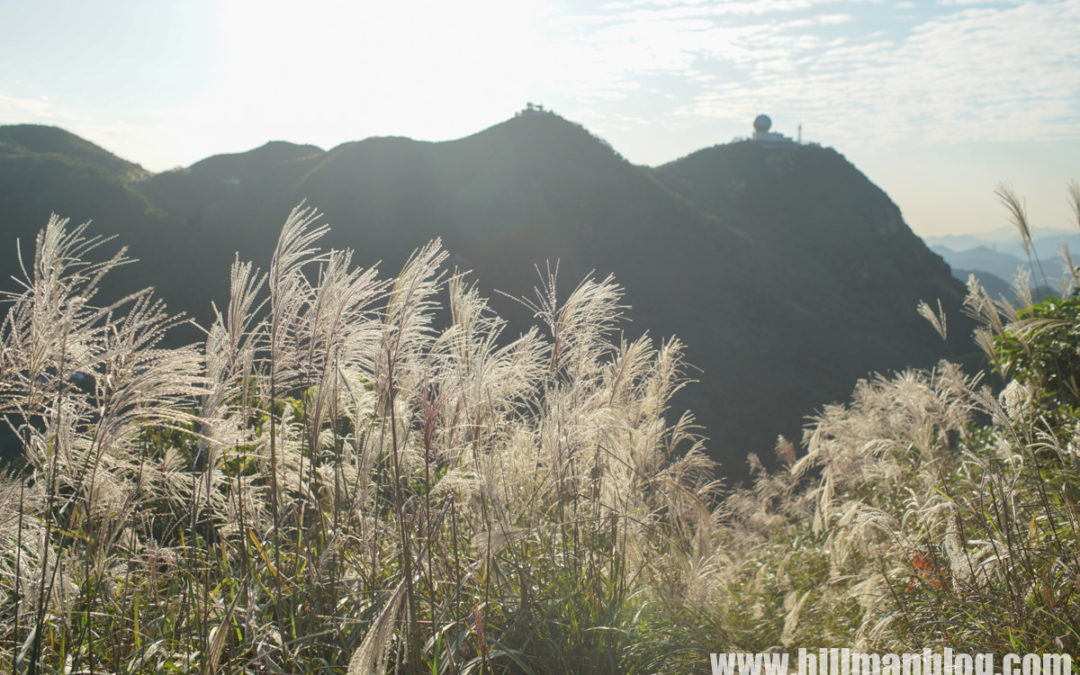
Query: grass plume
[340,479]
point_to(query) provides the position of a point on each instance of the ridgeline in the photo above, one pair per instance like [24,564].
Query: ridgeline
[786,272]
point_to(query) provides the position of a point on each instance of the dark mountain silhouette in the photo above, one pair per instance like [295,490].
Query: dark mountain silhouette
[53,142]
[788,274]
[841,275]
[45,170]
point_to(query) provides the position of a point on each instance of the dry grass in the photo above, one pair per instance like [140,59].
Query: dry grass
[334,481]
[329,478]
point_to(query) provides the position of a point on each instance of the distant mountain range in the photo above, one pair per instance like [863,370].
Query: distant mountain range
[787,272]
[995,257]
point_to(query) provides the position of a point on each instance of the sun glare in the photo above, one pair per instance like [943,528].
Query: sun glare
[426,70]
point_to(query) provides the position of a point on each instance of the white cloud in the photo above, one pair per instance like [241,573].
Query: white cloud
[17,108]
[728,7]
[968,74]
[956,3]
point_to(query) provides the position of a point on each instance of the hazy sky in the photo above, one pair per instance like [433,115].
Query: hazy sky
[935,101]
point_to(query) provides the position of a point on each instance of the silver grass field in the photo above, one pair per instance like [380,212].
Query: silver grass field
[357,473]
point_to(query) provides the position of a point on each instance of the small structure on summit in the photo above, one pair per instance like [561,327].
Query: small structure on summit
[762,124]
[533,109]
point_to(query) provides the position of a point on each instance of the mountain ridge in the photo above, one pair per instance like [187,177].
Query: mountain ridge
[785,270]
[40,139]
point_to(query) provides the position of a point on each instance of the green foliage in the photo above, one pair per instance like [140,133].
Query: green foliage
[1044,350]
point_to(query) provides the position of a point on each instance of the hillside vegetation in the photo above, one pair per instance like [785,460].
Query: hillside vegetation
[786,272]
[331,481]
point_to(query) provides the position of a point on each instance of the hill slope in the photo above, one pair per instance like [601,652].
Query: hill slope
[842,275]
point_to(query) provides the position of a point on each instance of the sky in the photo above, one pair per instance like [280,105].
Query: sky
[936,102]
